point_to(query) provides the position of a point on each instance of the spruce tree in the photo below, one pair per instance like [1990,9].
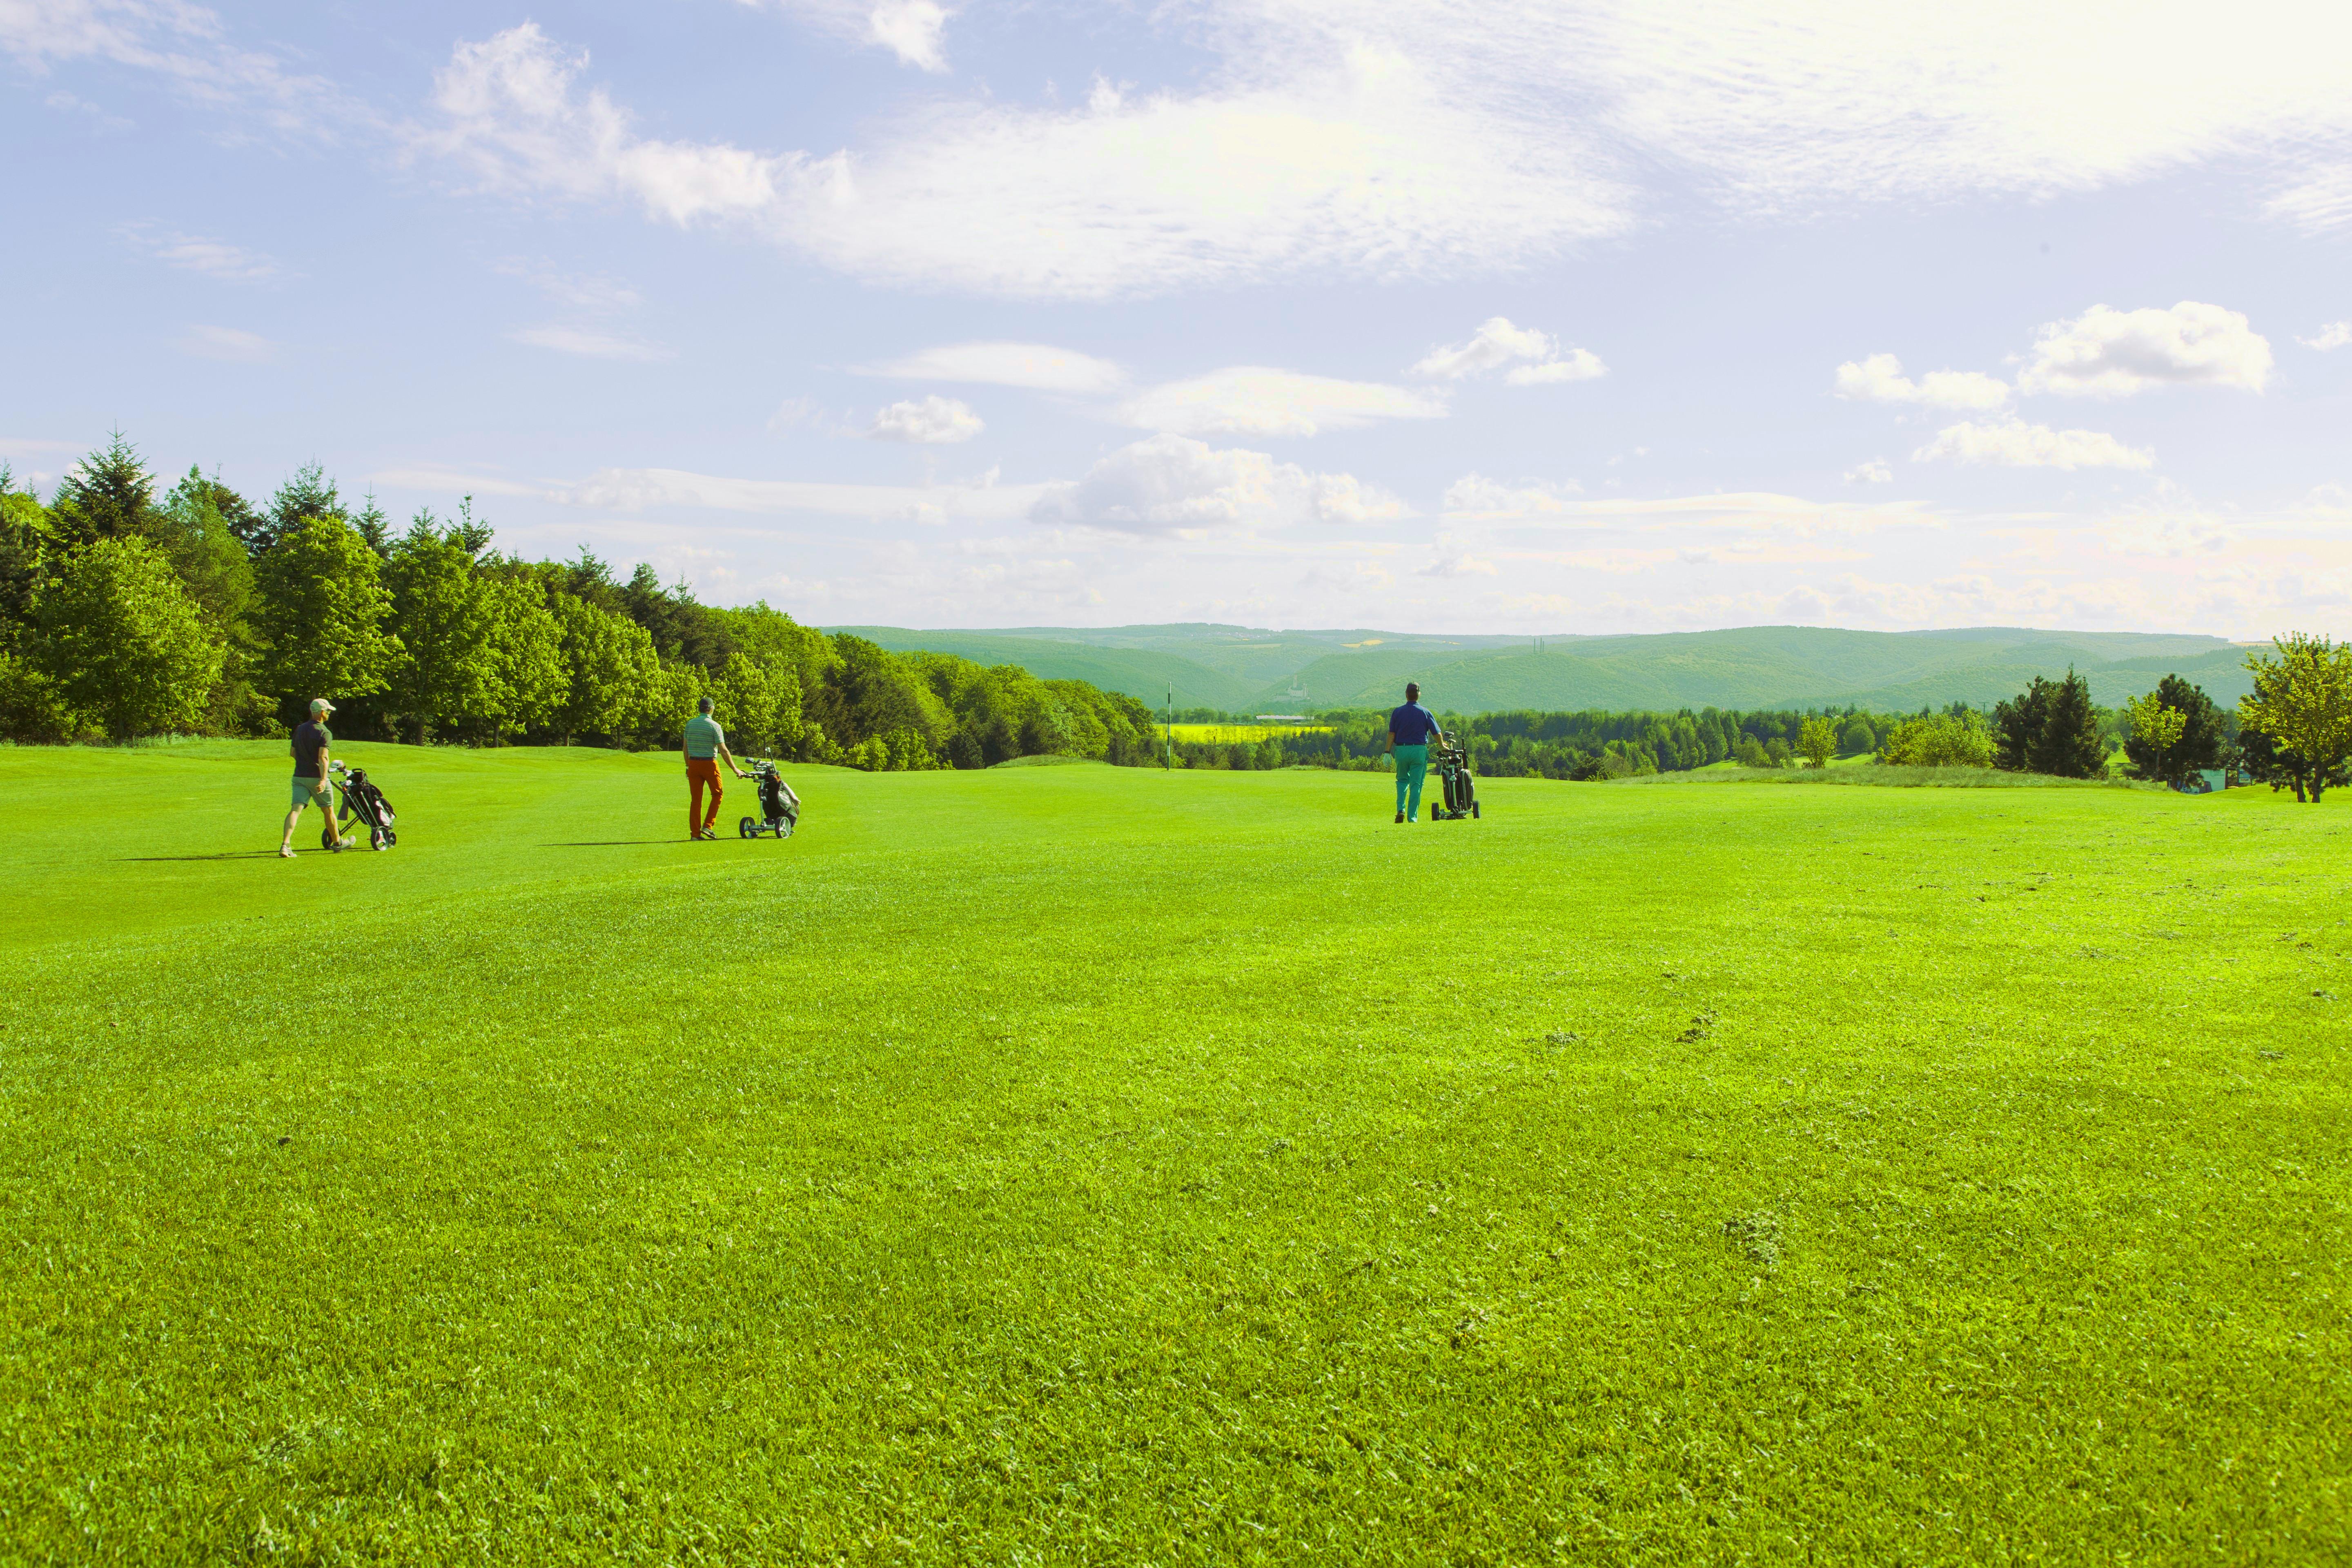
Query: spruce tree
[308,495]
[108,495]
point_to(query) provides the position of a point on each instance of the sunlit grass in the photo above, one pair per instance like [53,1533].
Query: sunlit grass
[1112,1165]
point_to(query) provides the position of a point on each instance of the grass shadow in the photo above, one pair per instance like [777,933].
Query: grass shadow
[226,854]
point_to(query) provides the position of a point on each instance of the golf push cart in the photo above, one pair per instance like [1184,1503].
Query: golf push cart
[1460,791]
[362,801]
[779,808]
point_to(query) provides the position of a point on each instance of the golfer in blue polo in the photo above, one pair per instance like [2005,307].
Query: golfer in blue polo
[1410,729]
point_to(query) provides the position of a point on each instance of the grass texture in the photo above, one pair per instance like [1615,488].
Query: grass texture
[1105,1165]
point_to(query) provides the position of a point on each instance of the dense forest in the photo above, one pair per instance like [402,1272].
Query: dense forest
[128,609]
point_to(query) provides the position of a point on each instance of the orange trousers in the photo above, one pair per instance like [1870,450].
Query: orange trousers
[700,771]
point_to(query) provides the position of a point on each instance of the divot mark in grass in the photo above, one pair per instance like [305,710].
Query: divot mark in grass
[1701,1027]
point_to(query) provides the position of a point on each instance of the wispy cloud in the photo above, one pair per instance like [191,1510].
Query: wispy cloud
[1253,400]
[1038,367]
[2333,335]
[1174,486]
[228,344]
[589,344]
[196,253]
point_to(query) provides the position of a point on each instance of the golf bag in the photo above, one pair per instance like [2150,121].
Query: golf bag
[1460,790]
[362,803]
[780,809]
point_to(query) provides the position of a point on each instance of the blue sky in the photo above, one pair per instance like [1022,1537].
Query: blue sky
[1475,317]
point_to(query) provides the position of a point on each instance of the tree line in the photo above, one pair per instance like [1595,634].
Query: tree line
[2293,732]
[128,609]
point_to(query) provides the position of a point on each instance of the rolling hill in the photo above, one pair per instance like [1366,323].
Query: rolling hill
[1244,670]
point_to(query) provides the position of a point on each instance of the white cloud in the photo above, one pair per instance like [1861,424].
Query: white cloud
[2316,198]
[591,344]
[2333,335]
[1880,378]
[1474,497]
[1251,400]
[2109,353]
[1577,364]
[1035,365]
[183,44]
[1876,471]
[639,490]
[2015,444]
[913,30]
[1496,343]
[1344,156]
[1172,485]
[1458,566]
[195,253]
[929,422]
[510,113]
[228,344]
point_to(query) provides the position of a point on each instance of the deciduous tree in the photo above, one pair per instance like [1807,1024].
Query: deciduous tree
[322,615]
[2302,707]
[123,642]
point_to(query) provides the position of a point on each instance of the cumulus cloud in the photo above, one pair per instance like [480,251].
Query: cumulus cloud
[1458,566]
[1880,378]
[2105,352]
[931,422]
[1252,400]
[1172,485]
[589,344]
[2333,335]
[1496,343]
[1037,366]
[228,344]
[2015,444]
[1475,497]
[1876,471]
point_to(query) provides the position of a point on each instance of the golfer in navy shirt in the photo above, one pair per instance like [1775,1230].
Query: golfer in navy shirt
[1410,729]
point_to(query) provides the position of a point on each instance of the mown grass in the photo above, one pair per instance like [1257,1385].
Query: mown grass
[1090,1165]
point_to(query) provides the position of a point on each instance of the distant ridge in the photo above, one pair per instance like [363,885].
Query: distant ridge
[1247,669]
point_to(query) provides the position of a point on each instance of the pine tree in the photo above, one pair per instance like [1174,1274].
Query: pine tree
[308,496]
[108,495]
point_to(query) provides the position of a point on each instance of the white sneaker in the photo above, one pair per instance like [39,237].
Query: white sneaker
[286,851]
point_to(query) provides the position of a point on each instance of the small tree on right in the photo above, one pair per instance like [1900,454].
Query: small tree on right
[2295,727]
[2051,727]
[2176,732]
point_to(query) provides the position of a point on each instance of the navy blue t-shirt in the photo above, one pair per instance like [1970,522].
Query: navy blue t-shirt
[1411,725]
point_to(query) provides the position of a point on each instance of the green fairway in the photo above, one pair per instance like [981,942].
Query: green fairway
[1092,1164]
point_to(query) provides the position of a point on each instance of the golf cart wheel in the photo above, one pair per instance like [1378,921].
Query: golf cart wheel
[1474,810]
[326,837]
[376,836]
[748,829]
[390,838]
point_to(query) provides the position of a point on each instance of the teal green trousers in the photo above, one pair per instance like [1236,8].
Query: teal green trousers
[1412,768]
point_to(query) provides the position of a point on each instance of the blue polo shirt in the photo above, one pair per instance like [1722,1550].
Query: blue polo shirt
[1413,726]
